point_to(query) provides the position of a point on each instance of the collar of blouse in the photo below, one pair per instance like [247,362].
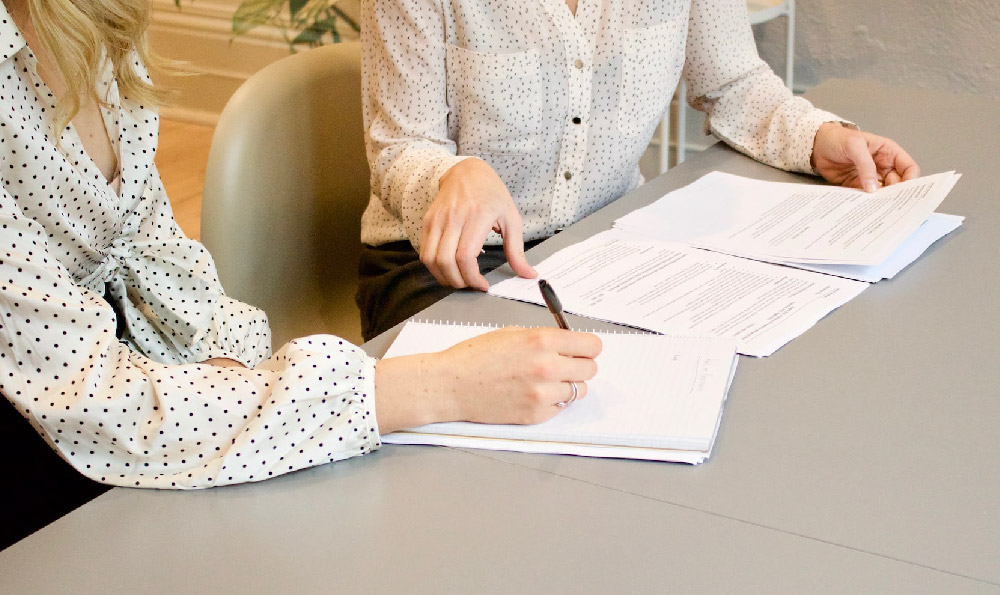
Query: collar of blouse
[11,40]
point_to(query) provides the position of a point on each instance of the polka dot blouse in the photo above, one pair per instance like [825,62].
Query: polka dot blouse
[140,411]
[562,107]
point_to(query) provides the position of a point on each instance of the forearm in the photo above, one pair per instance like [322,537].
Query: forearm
[404,92]
[144,424]
[748,106]
[509,376]
[410,183]
[404,397]
[779,132]
[124,419]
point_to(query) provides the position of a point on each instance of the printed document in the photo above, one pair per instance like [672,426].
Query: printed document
[673,288]
[792,223]
[936,227]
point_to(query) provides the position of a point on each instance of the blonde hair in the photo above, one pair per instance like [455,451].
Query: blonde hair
[76,31]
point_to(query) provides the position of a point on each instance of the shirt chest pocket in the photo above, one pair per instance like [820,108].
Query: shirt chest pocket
[652,59]
[495,100]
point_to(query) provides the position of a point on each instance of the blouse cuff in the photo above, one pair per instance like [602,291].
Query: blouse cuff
[373,438]
[807,127]
[417,183]
[336,377]
[238,332]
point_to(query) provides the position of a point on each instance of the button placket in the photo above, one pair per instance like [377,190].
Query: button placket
[574,147]
[576,36]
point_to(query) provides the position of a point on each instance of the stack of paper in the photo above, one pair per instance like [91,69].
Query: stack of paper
[829,229]
[697,260]
[655,397]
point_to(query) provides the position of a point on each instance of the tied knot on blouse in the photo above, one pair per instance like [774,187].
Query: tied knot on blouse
[164,277]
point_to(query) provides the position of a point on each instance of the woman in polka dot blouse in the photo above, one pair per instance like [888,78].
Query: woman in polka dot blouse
[120,348]
[499,122]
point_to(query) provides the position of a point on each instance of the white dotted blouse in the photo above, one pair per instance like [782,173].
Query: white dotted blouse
[562,107]
[140,411]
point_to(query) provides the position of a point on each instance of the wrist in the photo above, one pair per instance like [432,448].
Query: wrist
[824,129]
[465,167]
[409,393]
[224,362]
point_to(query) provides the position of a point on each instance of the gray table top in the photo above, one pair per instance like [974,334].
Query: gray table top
[862,457]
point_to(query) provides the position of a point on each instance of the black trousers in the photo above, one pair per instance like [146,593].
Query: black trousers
[38,486]
[394,285]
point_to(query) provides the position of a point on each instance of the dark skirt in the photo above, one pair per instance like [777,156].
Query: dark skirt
[394,285]
[39,486]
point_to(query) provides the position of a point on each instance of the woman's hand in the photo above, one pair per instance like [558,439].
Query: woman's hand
[471,201]
[223,362]
[508,376]
[849,157]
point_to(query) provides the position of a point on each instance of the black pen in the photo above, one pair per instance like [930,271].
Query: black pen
[549,295]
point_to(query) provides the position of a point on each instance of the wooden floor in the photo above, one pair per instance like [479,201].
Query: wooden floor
[181,159]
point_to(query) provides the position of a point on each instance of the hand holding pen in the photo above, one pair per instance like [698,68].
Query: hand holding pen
[555,306]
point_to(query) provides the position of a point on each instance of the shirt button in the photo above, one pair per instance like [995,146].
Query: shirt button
[577,120]
[568,175]
[578,64]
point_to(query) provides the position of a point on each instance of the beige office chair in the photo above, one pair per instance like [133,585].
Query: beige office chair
[286,184]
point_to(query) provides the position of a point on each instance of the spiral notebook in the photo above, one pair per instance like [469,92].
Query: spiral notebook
[655,397]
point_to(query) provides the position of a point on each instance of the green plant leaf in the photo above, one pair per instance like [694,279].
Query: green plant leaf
[312,19]
[329,24]
[253,13]
[310,35]
[340,13]
[294,6]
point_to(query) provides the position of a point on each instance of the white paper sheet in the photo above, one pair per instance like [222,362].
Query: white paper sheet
[676,289]
[936,227]
[655,397]
[791,223]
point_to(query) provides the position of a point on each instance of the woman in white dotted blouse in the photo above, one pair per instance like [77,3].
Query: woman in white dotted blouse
[496,121]
[120,347]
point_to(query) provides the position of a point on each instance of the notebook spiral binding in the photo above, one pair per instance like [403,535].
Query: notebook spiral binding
[490,325]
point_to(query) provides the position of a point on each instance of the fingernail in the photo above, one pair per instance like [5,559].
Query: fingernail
[871,186]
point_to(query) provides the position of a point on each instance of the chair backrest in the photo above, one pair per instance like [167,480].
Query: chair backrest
[286,184]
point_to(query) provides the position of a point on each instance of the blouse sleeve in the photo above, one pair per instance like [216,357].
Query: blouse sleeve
[226,328]
[121,418]
[404,92]
[748,106]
